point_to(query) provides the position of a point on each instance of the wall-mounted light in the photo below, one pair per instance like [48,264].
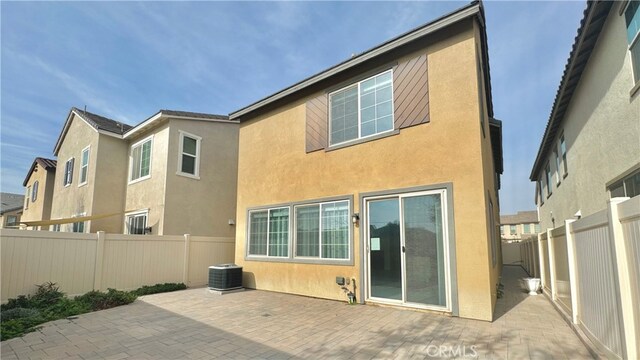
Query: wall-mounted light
[231,222]
[147,230]
[355,218]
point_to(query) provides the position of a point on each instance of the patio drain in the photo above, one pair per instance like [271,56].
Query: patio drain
[266,315]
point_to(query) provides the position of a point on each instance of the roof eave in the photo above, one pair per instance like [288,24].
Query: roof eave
[473,9]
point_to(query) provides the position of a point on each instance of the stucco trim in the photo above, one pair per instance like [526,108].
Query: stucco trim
[291,256]
[363,140]
[450,228]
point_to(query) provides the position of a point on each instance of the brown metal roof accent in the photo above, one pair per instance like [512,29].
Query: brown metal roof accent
[47,164]
[522,217]
[411,92]
[317,122]
[591,25]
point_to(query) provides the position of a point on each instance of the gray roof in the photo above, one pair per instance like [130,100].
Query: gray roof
[522,217]
[194,115]
[102,123]
[47,164]
[10,202]
[590,27]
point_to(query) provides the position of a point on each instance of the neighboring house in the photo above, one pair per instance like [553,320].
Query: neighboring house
[382,170]
[590,150]
[91,178]
[520,226]
[182,174]
[174,173]
[10,210]
[39,184]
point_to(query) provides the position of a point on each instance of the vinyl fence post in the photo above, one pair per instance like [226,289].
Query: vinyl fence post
[573,270]
[187,251]
[97,274]
[623,268]
[541,256]
[552,265]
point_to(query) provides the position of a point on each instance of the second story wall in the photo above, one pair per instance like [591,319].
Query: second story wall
[110,180]
[202,204]
[601,130]
[40,209]
[75,198]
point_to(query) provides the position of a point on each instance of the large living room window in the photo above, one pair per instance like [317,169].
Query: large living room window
[632,19]
[322,230]
[362,109]
[140,160]
[269,232]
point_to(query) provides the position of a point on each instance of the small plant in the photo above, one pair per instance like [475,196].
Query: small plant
[159,288]
[19,313]
[47,294]
[96,300]
[500,291]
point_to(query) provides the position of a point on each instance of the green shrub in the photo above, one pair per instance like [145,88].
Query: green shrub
[21,301]
[96,300]
[159,288]
[18,313]
[46,295]
[17,327]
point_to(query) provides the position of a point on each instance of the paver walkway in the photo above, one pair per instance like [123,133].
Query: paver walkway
[194,324]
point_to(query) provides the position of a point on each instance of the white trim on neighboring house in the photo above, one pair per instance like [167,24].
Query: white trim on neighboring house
[84,223]
[135,213]
[161,116]
[198,139]
[86,180]
[134,145]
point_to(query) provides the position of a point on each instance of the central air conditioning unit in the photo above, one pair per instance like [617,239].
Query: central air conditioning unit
[225,277]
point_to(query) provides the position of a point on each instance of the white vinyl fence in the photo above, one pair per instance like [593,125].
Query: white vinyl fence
[590,268]
[79,263]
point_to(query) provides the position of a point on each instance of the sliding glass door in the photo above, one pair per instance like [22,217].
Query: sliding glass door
[407,249]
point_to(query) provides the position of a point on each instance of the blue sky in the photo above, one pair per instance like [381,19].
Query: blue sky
[127,60]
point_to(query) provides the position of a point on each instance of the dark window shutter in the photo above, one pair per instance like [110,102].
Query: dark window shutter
[411,92]
[71,170]
[317,120]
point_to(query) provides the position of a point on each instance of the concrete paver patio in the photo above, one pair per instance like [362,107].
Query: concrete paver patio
[194,324]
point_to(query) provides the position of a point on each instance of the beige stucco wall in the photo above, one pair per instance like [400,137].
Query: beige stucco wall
[41,208]
[149,193]
[203,206]
[601,128]
[274,168]
[4,218]
[109,173]
[72,200]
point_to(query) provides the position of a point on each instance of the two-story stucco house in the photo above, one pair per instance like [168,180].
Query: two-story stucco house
[39,184]
[174,173]
[519,226]
[10,210]
[382,170]
[590,150]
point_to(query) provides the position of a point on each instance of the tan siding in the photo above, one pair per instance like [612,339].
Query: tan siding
[317,121]
[411,92]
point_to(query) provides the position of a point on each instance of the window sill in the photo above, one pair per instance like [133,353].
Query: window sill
[131,182]
[345,262]
[363,140]
[82,184]
[187,175]
[565,175]
[549,195]
[635,89]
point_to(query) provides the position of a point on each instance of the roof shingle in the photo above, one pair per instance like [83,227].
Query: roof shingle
[10,202]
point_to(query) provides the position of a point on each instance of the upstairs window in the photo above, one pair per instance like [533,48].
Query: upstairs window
[547,177]
[34,193]
[512,229]
[540,197]
[362,109]
[84,166]
[537,228]
[12,221]
[557,157]
[563,153]
[68,172]
[189,157]
[526,229]
[140,160]
[27,198]
[632,19]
